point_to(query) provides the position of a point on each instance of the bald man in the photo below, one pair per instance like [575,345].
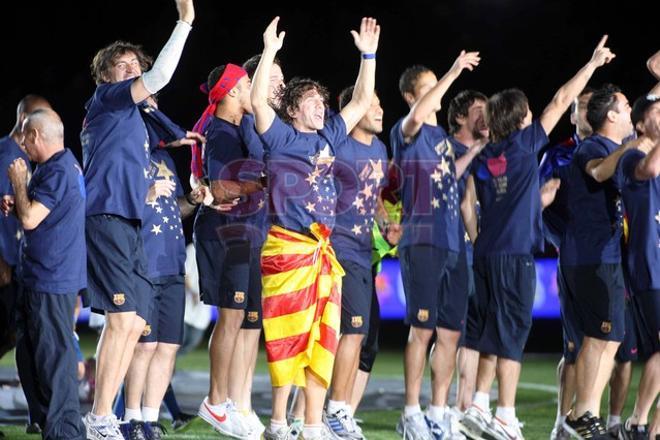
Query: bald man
[10,231]
[53,269]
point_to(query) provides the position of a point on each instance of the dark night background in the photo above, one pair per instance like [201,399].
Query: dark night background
[531,44]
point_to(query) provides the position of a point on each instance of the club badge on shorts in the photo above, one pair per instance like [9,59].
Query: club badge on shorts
[571,346]
[423,315]
[239,297]
[118,299]
[252,316]
[356,321]
[606,327]
[147,330]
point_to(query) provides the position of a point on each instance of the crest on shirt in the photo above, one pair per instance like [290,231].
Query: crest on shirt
[118,299]
[422,315]
[356,321]
[606,327]
[239,296]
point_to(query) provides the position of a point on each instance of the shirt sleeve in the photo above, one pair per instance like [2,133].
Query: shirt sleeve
[334,129]
[533,137]
[625,170]
[589,151]
[278,135]
[115,96]
[50,187]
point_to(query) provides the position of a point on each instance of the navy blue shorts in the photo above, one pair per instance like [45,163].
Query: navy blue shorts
[165,323]
[356,292]
[429,302]
[627,351]
[646,310]
[224,272]
[370,344]
[572,334]
[505,286]
[116,266]
[597,291]
[253,318]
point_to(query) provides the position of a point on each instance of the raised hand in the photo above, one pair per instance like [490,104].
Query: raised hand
[466,60]
[602,55]
[17,172]
[367,40]
[186,10]
[549,191]
[653,64]
[160,187]
[271,38]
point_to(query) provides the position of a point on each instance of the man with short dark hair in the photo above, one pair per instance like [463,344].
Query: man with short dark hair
[51,210]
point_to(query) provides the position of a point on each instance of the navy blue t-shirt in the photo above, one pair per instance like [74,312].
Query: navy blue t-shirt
[252,169]
[300,167]
[641,201]
[593,232]
[54,254]
[162,232]
[360,173]
[429,192]
[115,153]
[223,159]
[10,229]
[463,240]
[506,178]
[556,163]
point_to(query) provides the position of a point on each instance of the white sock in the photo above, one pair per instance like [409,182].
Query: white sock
[482,400]
[150,414]
[349,410]
[132,414]
[219,407]
[613,420]
[436,413]
[506,414]
[335,405]
[559,420]
[312,431]
[411,410]
[276,425]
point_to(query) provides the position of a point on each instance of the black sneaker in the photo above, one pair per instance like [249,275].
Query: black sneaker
[182,421]
[133,430]
[586,427]
[635,432]
[154,430]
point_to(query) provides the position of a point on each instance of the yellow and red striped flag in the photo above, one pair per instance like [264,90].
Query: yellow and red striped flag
[301,299]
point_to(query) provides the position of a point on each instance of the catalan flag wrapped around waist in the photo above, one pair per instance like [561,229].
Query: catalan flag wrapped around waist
[301,297]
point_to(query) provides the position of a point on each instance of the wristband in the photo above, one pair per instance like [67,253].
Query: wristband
[190,200]
[369,56]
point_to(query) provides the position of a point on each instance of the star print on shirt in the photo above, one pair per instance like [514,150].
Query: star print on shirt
[163,170]
[310,207]
[435,203]
[357,229]
[155,229]
[657,217]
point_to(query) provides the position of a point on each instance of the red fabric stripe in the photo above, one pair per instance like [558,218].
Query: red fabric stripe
[284,262]
[284,236]
[288,303]
[286,348]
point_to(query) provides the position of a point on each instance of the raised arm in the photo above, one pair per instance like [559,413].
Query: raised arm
[430,102]
[29,212]
[367,43]
[649,167]
[161,72]
[602,169]
[653,65]
[463,162]
[263,112]
[469,210]
[569,91]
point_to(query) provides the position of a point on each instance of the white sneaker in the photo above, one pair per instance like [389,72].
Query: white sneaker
[254,425]
[560,433]
[228,421]
[498,429]
[452,424]
[475,422]
[102,428]
[414,427]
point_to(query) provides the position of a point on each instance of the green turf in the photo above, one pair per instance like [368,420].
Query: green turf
[536,408]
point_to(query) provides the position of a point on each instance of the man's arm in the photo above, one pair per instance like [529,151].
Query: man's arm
[161,72]
[569,91]
[29,212]
[227,190]
[548,192]
[602,169]
[469,209]
[649,167]
[264,115]
[653,64]
[367,43]
[430,102]
[463,162]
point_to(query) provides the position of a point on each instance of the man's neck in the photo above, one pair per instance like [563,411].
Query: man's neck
[610,134]
[362,136]
[230,113]
[465,138]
